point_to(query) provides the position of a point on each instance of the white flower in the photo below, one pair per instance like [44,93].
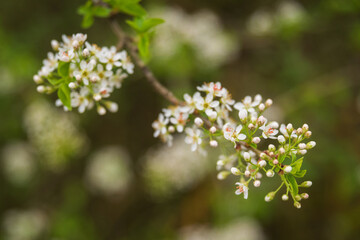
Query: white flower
[214,89]
[191,101]
[160,125]
[193,137]
[80,99]
[203,104]
[66,55]
[269,131]
[126,62]
[110,57]
[84,73]
[179,120]
[248,104]
[241,188]
[233,134]
[285,132]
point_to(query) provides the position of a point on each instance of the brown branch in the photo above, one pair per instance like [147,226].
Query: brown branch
[123,39]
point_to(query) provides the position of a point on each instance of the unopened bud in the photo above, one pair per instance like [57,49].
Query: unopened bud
[247,173]
[270,196]
[281,139]
[222,175]
[275,162]
[288,169]
[257,183]
[75,44]
[198,121]
[37,79]
[297,204]
[40,88]
[302,145]
[262,163]
[261,107]
[263,155]
[246,156]
[255,140]
[243,114]
[235,171]
[268,102]
[171,129]
[285,197]
[55,45]
[310,144]
[281,150]
[86,52]
[303,151]
[261,120]
[112,106]
[72,85]
[308,134]
[305,127]
[258,175]
[101,110]
[289,127]
[271,147]
[251,126]
[270,173]
[299,131]
[306,184]
[212,129]
[97,97]
[213,143]
[304,196]
[298,198]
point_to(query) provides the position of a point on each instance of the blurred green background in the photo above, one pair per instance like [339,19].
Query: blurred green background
[68,176]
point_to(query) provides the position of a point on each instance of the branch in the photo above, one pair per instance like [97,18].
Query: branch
[123,39]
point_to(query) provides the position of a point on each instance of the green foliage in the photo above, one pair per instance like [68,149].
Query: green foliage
[131,7]
[89,11]
[293,184]
[64,94]
[143,25]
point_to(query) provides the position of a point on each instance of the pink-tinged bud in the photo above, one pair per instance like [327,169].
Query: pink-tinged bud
[213,129]
[213,143]
[258,175]
[255,140]
[304,196]
[270,173]
[222,175]
[261,120]
[288,169]
[198,121]
[262,163]
[305,127]
[257,183]
[275,162]
[303,151]
[235,171]
[251,126]
[247,173]
[261,107]
[285,197]
[271,154]
[299,131]
[268,102]
[308,134]
[282,150]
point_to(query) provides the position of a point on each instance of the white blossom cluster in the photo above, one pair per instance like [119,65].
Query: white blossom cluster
[88,73]
[206,118]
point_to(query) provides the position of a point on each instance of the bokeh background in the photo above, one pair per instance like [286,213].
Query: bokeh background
[66,176]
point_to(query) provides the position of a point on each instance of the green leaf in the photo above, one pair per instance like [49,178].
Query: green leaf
[142,25]
[64,95]
[87,21]
[100,11]
[143,46]
[296,166]
[294,186]
[63,69]
[85,9]
[131,7]
[300,174]
[55,81]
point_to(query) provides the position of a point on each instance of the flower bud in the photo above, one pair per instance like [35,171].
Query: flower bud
[258,175]
[306,184]
[257,183]
[86,52]
[92,62]
[298,198]
[308,134]
[247,173]
[220,163]
[261,120]
[255,140]
[75,44]
[310,144]
[97,97]
[270,173]
[261,107]
[303,151]
[268,102]
[270,196]
[243,114]
[263,155]
[58,103]
[55,45]
[72,85]
[288,169]
[198,121]
[302,145]
[37,79]
[281,139]
[171,129]
[78,77]
[262,163]
[289,127]
[271,147]
[251,126]
[281,150]
[112,106]
[246,156]
[222,175]
[275,162]
[101,110]
[40,88]
[299,131]
[297,204]
[212,129]
[305,127]
[235,171]
[213,143]
[285,197]
[304,196]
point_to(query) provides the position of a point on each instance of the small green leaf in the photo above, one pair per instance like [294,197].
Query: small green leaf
[85,9]
[55,81]
[142,25]
[87,21]
[131,7]
[63,69]
[100,11]
[293,184]
[143,46]
[296,166]
[64,95]
[300,174]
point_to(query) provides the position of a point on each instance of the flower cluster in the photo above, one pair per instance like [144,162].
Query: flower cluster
[83,74]
[206,118]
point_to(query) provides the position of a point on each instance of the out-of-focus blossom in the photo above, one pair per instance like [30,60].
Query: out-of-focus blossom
[18,162]
[108,171]
[54,134]
[24,225]
[170,170]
